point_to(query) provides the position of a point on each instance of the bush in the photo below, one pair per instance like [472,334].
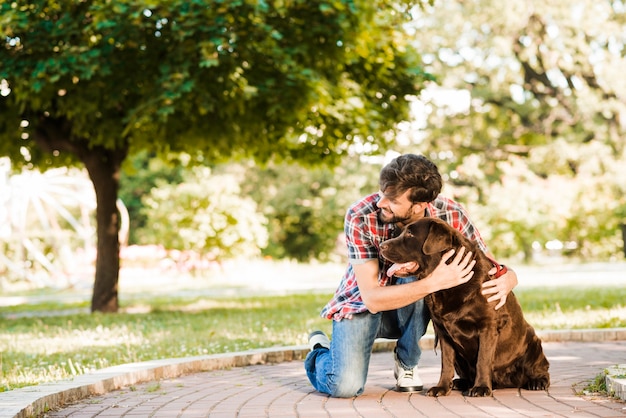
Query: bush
[306,206]
[205,213]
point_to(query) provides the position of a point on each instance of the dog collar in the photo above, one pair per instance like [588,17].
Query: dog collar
[500,268]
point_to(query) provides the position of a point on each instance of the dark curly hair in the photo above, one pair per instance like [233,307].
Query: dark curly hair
[411,172]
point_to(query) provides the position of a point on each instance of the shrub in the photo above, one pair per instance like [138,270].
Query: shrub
[207,214]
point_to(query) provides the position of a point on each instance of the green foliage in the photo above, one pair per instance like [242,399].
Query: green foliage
[597,385]
[96,81]
[528,121]
[142,173]
[306,207]
[219,79]
[206,214]
[523,209]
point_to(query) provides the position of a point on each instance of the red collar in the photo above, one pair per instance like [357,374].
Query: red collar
[500,268]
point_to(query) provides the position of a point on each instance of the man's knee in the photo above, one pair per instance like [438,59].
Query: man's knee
[346,386]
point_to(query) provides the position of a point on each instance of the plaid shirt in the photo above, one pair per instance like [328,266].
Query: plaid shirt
[364,233]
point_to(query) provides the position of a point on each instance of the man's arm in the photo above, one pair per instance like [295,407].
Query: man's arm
[383,298]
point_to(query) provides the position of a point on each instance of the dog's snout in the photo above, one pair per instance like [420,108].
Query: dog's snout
[385,248]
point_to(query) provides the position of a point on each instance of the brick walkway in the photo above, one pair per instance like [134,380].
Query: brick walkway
[282,390]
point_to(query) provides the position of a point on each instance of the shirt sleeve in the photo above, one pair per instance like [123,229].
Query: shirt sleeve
[361,246]
[467,228]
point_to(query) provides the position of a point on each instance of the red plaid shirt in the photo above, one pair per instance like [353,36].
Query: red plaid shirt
[364,233]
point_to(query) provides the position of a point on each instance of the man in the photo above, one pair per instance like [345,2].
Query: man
[373,300]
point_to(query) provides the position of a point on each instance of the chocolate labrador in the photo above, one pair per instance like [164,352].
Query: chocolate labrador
[487,348]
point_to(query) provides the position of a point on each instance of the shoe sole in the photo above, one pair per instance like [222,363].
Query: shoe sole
[409,388]
[325,343]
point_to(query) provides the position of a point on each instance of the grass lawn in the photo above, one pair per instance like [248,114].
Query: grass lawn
[52,341]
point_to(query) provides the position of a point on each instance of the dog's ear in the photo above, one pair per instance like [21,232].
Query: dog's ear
[439,239]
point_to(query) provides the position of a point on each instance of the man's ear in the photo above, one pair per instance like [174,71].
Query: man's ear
[419,207]
[438,239]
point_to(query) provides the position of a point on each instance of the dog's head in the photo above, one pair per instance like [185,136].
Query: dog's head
[422,242]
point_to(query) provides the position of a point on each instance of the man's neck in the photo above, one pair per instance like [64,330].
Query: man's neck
[411,220]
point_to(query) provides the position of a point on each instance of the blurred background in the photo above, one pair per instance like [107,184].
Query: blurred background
[200,133]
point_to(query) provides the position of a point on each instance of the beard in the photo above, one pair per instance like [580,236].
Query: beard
[393,218]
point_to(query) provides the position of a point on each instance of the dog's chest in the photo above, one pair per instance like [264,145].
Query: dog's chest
[460,304]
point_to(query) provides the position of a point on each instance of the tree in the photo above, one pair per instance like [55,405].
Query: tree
[533,84]
[95,81]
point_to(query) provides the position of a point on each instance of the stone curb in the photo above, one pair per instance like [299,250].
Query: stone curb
[32,401]
[616,381]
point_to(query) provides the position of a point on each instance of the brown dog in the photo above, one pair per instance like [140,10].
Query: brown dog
[488,348]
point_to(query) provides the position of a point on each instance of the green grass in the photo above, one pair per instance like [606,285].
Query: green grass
[574,307]
[44,348]
[37,347]
[597,386]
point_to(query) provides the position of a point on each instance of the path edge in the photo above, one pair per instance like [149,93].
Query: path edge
[33,401]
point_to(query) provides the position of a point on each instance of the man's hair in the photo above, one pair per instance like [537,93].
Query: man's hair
[411,172]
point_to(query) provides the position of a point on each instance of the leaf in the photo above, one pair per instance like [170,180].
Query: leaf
[209,62]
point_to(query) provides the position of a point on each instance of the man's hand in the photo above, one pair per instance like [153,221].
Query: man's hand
[499,288]
[459,271]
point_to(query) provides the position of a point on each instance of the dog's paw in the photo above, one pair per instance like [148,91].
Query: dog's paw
[537,383]
[478,391]
[437,391]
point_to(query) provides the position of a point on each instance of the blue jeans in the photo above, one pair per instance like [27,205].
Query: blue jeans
[341,371]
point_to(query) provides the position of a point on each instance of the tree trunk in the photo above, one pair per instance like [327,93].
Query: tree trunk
[103,165]
[104,170]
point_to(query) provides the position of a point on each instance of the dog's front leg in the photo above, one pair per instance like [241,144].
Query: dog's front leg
[486,354]
[444,386]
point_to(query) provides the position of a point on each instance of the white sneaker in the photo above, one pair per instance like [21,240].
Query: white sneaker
[318,339]
[406,380]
